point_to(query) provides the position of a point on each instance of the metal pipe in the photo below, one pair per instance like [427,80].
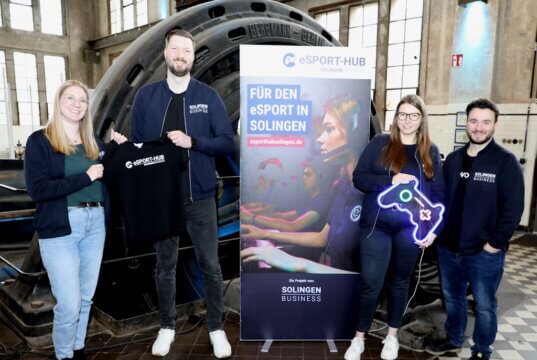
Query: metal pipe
[9,118]
[19,270]
[24,273]
[530,100]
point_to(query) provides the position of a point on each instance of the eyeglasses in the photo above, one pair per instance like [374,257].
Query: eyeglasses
[70,100]
[412,116]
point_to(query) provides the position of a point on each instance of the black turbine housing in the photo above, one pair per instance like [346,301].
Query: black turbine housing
[125,300]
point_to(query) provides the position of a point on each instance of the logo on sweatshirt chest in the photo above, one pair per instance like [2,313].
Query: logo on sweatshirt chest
[198,108]
[485,177]
[147,161]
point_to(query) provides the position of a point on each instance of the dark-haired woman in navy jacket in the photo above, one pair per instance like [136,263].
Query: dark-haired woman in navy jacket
[387,247]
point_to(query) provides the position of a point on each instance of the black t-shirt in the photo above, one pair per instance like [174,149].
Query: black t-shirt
[175,120]
[452,232]
[144,181]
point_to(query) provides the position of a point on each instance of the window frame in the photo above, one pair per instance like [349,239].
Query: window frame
[118,21]
[61,17]
[406,66]
[33,102]
[363,25]
[4,95]
[51,82]
[326,14]
[20,4]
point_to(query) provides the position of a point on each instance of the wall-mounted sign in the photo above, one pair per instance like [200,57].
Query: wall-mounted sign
[456,60]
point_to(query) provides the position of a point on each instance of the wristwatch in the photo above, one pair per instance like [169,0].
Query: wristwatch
[193,141]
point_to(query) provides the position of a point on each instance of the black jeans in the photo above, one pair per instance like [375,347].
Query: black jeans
[202,227]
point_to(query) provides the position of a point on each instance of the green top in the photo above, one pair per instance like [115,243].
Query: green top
[78,163]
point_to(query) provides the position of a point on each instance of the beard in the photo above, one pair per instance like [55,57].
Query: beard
[175,70]
[475,142]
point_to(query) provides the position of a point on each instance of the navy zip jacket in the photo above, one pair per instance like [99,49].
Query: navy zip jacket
[206,120]
[494,199]
[49,187]
[371,177]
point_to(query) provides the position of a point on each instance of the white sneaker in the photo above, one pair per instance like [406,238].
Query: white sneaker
[161,346]
[390,349]
[356,349]
[221,347]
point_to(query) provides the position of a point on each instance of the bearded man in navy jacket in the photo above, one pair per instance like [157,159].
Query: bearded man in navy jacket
[192,116]
[484,202]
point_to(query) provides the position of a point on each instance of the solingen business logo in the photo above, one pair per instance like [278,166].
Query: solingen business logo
[485,177]
[301,294]
[203,108]
[305,292]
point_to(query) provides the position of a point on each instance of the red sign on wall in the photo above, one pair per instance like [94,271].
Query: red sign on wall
[456,60]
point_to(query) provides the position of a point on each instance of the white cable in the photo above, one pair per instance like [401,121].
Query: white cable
[413,294]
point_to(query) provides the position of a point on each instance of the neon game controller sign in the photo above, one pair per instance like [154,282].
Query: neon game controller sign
[424,215]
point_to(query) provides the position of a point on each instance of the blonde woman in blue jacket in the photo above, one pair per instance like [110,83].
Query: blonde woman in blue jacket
[61,170]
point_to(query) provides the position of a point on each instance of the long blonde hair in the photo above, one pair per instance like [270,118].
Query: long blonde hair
[55,131]
[394,156]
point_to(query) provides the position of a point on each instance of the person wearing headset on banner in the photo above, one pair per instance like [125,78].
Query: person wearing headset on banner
[310,216]
[338,237]
[387,247]
[61,169]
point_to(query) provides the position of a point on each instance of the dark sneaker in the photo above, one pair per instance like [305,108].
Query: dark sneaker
[442,346]
[479,356]
[79,354]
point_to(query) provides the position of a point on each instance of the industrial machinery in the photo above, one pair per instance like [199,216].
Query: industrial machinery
[125,300]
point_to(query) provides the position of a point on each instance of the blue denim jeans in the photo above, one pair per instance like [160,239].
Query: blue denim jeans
[483,273]
[202,227]
[73,263]
[388,251]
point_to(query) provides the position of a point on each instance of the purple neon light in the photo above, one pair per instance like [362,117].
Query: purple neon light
[402,209]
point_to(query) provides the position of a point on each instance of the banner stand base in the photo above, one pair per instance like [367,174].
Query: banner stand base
[266,346]
[331,346]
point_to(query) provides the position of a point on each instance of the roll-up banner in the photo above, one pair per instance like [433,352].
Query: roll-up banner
[304,123]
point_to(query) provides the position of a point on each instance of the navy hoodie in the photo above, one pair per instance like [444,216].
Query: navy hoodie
[494,199]
[371,177]
[206,120]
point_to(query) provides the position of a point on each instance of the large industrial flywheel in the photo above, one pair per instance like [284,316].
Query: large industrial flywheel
[219,28]
[125,300]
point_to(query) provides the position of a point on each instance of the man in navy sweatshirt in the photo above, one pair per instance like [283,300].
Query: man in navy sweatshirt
[484,202]
[192,116]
